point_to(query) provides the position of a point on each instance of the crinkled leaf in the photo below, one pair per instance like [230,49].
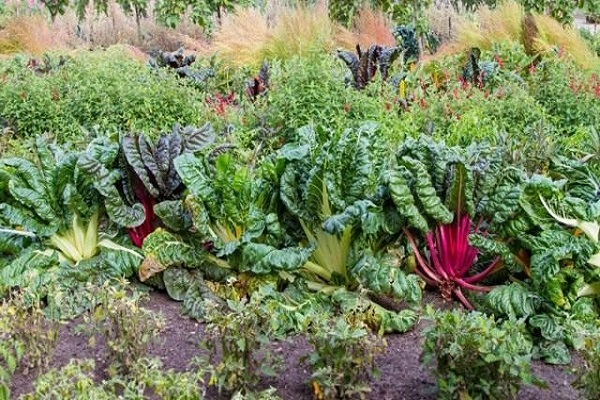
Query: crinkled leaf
[514,301]
[171,250]
[129,144]
[385,279]
[177,282]
[489,246]
[196,139]
[264,259]
[404,200]
[173,214]
[426,194]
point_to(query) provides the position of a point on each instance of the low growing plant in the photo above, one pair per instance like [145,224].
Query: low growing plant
[588,380]
[343,362]
[237,331]
[27,339]
[76,381]
[27,324]
[127,328]
[476,357]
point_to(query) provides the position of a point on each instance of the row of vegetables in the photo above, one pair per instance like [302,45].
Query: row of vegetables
[341,213]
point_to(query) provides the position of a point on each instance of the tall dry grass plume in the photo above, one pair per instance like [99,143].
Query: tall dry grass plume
[249,35]
[490,25]
[509,23]
[368,27]
[302,30]
[553,36]
[33,34]
[242,37]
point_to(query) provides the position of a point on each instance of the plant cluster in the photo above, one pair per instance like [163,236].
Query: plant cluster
[126,327]
[238,332]
[476,357]
[473,174]
[343,362]
[27,341]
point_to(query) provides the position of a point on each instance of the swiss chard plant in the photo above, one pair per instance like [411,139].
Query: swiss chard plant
[236,231]
[51,206]
[555,292]
[365,63]
[327,190]
[138,180]
[435,194]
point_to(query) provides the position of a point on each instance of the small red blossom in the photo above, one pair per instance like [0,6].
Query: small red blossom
[499,61]
[219,103]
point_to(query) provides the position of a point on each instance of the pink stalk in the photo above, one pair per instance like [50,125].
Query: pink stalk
[481,275]
[434,256]
[461,297]
[451,258]
[420,262]
[469,286]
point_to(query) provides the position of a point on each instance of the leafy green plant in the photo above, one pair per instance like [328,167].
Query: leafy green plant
[432,184]
[328,190]
[127,327]
[239,332]
[343,360]
[365,64]
[45,195]
[476,357]
[148,186]
[237,233]
[46,204]
[452,257]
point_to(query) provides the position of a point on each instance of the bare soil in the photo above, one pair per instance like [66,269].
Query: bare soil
[402,376]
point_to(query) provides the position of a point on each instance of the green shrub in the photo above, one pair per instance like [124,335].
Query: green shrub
[477,358]
[127,328]
[312,91]
[588,380]
[237,331]
[343,362]
[104,91]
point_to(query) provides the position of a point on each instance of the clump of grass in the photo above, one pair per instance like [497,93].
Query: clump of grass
[242,37]
[490,26]
[32,34]
[554,36]
[247,36]
[505,24]
[369,27]
[301,30]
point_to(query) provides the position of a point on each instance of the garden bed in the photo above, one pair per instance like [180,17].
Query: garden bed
[402,375]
